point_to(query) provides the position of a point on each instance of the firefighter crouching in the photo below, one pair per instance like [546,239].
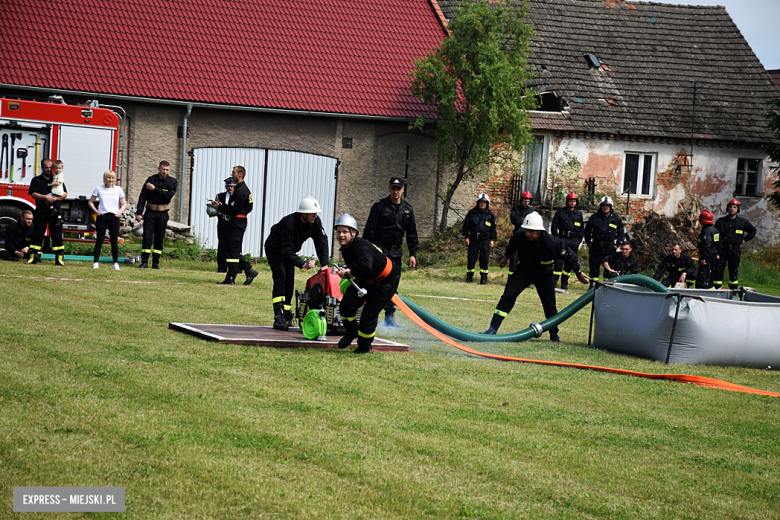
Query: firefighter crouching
[708,242]
[733,231]
[235,213]
[15,245]
[372,271]
[537,251]
[517,217]
[479,228]
[679,267]
[568,225]
[281,250]
[388,221]
[155,198]
[603,232]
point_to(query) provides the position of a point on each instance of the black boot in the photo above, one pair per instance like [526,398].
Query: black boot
[34,258]
[350,333]
[229,280]
[390,320]
[482,278]
[279,322]
[251,274]
[143,265]
[156,261]
[495,324]
[144,261]
[469,277]
[364,346]
[555,338]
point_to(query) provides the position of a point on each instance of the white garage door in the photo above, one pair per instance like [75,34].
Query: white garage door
[277,186]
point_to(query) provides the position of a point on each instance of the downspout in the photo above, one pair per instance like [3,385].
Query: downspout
[183,161]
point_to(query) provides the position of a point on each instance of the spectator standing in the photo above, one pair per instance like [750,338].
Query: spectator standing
[235,212]
[112,205]
[568,225]
[603,232]
[155,198]
[479,228]
[388,221]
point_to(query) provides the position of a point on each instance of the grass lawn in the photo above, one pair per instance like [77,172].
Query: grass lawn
[96,391]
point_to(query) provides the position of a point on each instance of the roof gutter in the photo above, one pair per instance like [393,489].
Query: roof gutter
[215,106]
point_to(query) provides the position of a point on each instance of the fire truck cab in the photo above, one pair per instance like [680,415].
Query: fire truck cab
[85,138]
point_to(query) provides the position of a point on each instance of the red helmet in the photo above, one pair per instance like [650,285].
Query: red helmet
[571,196]
[706,217]
[526,195]
[734,202]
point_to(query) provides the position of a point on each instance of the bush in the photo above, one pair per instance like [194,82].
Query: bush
[446,248]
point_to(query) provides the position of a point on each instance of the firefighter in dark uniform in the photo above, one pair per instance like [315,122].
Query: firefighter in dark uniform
[372,271]
[155,198]
[223,198]
[15,243]
[621,262]
[235,213]
[388,221]
[603,232]
[538,251]
[568,225]
[281,250]
[678,265]
[479,228]
[517,217]
[708,242]
[44,216]
[733,231]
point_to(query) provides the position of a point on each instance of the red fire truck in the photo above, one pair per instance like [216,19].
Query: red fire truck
[85,138]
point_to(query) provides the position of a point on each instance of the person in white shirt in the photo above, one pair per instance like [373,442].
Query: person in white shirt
[112,205]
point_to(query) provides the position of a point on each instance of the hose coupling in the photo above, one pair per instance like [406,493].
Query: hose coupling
[537,329]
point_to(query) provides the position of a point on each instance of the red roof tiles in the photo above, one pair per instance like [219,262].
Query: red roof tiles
[339,56]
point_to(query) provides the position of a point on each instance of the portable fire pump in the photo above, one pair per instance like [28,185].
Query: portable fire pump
[317,306]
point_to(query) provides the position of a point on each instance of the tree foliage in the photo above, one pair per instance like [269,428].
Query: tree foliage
[773,150]
[474,85]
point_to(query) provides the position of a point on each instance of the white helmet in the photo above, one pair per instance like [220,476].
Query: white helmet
[605,200]
[346,220]
[483,196]
[211,209]
[533,222]
[309,205]
[138,230]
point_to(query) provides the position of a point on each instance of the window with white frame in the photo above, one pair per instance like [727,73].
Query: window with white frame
[748,171]
[639,173]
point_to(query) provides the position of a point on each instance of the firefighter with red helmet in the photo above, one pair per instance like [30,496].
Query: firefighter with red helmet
[603,232]
[568,225]
[373,272]
[733,231]
[479,228]
[708,243]
[517,217]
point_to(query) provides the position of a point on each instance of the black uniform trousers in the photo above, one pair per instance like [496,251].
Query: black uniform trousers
[706,272]
[598,254]
[110,222]
[558,266]
[42,218]
[221,245]
[731,257]
[155,224]
[670,281]
[283,276]
[518,282]
[376,299]
[390,306]
[234,241]
[478,250]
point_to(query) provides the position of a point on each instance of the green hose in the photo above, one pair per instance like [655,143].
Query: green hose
[79,258]
[525,334]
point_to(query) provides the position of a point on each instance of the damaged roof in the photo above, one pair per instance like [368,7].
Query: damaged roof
[649,56]
[329,56]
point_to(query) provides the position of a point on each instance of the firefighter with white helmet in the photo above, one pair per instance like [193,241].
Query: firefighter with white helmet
[235,212]
[568,225]
[222,198]
[371,270]
[603,233]
[538,251]
[517,217]
[479,229]
[733,231]
[281,250]
[388,221]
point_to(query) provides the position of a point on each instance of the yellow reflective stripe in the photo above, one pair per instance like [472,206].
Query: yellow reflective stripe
[483,271]
[470,270]
[287,307]
[364,335]
[547,262]
[231,260]
[146,250]
[566,273]
[716,237]
[158,251]
[488,224]
[557,273]
[35,247]
[577,224]
[278,299]
[738,231]
[344,318]
[511,273]
[719,282]
[613,226]
[502,313]
[57,248]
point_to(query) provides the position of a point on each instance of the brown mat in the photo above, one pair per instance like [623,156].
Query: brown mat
[268,337]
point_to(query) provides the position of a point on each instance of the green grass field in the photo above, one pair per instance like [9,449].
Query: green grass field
[96,391]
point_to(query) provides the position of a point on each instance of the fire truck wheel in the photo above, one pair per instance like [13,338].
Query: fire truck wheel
[8,215]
